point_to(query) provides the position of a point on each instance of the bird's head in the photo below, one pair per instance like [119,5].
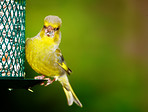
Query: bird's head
[51,26]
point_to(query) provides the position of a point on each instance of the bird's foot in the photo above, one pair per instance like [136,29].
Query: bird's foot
[40,77]
[49,81]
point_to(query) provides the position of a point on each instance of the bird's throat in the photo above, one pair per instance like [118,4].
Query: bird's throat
[55,38]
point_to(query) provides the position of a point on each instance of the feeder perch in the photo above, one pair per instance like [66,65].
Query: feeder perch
[12,45]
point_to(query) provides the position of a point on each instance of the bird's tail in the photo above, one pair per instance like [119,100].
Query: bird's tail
[70,95]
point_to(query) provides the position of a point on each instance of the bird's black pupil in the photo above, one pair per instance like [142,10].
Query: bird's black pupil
[56,29]
[45,26]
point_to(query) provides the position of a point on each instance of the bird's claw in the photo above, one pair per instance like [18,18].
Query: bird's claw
[39,77]
[49,81]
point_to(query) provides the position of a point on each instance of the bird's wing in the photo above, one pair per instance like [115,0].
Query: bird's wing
[61,62]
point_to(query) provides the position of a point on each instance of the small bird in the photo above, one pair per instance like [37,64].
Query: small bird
[45,57]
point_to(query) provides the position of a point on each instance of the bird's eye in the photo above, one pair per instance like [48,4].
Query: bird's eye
[56,28]
[44,26]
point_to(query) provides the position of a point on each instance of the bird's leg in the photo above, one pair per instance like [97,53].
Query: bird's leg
[49,81]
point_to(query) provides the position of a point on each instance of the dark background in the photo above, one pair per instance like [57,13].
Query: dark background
[105,43]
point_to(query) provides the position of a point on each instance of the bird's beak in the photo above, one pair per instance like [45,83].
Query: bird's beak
[50,31]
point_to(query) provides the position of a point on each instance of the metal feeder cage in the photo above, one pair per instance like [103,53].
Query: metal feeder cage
[12,45]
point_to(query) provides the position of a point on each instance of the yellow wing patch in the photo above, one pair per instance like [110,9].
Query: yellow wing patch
[63,65]
[61,62]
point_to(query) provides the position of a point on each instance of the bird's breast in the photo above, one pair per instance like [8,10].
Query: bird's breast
[40,55]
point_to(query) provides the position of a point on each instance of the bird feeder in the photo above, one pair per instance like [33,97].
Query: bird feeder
[12,45]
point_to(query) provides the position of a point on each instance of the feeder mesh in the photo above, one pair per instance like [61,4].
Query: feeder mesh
[12,38]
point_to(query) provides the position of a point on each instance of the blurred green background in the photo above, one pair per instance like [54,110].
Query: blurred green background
[105,43]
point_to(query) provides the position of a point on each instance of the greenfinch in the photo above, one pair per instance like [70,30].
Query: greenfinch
[45,57]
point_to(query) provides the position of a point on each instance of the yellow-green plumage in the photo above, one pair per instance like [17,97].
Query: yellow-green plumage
[41,56]
[44,56]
